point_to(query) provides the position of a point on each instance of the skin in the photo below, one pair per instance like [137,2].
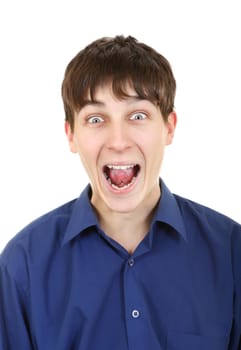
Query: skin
[122,132]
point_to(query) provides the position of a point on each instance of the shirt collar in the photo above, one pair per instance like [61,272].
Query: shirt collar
[169,212]
[83,215]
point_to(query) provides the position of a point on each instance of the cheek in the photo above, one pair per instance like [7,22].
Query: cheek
[154,145]
[153,150]
[88,151]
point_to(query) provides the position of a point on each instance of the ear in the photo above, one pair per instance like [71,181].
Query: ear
[171,126]
[70,136]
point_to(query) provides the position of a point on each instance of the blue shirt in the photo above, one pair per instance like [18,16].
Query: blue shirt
[65,285]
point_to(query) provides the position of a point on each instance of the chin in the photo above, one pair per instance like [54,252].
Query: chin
[123,205]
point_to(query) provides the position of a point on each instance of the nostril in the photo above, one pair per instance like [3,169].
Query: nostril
[118,139]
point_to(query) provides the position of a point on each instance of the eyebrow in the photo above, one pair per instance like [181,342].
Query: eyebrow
[92,103]
[131,99]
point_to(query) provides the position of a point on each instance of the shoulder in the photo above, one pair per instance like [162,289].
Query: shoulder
[45,226]
[38,238]
[205,216]
[209,228]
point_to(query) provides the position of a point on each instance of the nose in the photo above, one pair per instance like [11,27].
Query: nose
[118,137]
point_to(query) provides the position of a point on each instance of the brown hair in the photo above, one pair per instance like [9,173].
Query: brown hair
[120,61]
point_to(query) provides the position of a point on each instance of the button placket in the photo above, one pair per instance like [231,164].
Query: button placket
[131,262]
[134,312]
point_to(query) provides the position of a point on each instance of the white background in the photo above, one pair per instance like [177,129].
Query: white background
[202,41]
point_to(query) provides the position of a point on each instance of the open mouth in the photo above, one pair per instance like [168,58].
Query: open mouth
[121,177]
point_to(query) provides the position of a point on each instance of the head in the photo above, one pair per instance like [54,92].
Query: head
[119,97]
[122,62]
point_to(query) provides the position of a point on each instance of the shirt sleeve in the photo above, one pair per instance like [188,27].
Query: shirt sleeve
[14,328]
[235,336]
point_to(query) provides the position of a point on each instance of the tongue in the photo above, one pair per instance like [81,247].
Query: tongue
[120,177]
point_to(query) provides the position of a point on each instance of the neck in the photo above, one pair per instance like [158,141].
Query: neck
[129,228]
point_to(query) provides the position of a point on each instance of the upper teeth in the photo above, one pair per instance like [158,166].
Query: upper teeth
[120,167]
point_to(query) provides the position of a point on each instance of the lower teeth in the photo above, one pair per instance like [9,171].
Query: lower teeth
[121,187]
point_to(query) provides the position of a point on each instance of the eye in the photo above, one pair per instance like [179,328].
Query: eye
[138,116]
[95,119]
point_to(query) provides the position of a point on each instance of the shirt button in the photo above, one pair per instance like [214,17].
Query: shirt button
[135,313]
[131,262]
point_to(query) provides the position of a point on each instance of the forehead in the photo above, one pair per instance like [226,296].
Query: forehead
[106,91]
[125,90]
[105,94]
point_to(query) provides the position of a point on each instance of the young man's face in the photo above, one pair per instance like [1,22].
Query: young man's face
[121,144]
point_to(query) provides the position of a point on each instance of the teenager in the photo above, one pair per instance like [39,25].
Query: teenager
[128,265]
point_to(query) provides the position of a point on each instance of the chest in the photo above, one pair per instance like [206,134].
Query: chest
[168,295]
